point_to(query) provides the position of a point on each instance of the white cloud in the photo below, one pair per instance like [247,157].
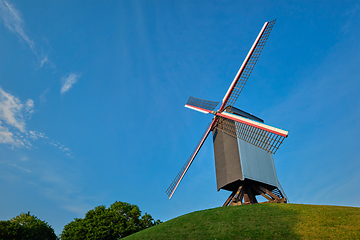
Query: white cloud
[29,106]
[68,82]
[43,95]
[12,124]
[11,110]
[57,144]
[14,22]
[6,136]
[35,135]
[43,60]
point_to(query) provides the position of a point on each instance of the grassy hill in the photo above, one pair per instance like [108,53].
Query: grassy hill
[261,221]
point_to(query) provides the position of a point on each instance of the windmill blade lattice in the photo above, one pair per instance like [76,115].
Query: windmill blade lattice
[240,125]
[201,103]
[250,64]
[171,189]
[268,141]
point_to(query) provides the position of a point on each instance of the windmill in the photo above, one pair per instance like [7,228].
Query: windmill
[243,144]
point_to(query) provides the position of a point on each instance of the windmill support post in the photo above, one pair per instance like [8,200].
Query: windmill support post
[246,194]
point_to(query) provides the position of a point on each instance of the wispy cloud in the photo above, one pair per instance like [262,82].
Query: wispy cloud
[55,182]
[19,167]
[58,185]
[12,121]
[29,107]
[43,95]
[8,137]
[12,124]
[57,144]
[68,82]
[36,135]
[43,60]
[14,22]
[11,110]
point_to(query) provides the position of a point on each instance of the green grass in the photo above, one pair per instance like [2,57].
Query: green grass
[261,221]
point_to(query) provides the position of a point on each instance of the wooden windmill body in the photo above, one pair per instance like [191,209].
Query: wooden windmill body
[243,168]
[243,143]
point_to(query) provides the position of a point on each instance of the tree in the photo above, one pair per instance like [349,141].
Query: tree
[119,220]
[26,226]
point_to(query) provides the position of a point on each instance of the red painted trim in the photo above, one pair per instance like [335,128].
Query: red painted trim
[202,109]
[251,124]
[237,77]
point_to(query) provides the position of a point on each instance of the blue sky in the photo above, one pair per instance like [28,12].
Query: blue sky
[92,98]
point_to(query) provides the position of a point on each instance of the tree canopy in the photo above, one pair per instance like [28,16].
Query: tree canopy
[26,226]
[119,220]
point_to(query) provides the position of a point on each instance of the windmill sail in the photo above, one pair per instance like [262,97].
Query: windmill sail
[253,123]
[201,103]
[264,138]
[236,123]
[171,189]
[248,65]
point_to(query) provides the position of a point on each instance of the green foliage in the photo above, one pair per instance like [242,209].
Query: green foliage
[261,221]
[26,226]
[119,220]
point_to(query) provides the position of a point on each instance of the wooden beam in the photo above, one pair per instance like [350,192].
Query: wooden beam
[237,199]
[252,196]
[246,199]
[238,192]
[269,192]
[229,199]
[262,193]
[241,195]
